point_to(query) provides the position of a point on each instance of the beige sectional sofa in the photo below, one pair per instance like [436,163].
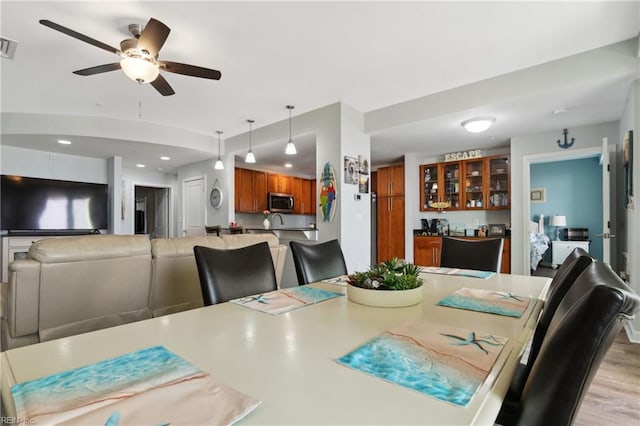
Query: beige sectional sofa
[73,285]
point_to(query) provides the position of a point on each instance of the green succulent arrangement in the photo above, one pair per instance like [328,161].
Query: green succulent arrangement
[394,274]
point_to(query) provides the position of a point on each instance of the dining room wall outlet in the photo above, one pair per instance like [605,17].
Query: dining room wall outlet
[476,223]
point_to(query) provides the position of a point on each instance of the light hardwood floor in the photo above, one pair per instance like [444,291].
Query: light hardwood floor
[614,395]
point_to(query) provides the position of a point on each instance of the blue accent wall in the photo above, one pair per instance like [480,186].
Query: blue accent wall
[573,189]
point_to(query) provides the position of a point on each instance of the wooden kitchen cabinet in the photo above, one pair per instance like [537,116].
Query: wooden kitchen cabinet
[426,250]
[314,202]
[390,212]
[303,203]
[440,183]
[282,184]
[474,184]
[390,181]
[251,191]
[302,195]
[390,242]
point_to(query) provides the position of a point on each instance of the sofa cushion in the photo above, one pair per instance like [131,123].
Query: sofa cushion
[175,285]
[88,247]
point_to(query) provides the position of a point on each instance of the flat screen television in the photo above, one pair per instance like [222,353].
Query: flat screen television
[34,204]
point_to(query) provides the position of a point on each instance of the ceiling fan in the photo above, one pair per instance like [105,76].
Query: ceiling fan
[140,56]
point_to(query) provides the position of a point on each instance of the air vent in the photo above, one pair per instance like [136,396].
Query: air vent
[7,48]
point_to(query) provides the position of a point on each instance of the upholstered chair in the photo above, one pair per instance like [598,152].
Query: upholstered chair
[315,262]
[583,328]
[577,261]
[231,274]
[481,254]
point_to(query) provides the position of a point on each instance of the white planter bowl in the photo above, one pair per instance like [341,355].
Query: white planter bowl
[384,298]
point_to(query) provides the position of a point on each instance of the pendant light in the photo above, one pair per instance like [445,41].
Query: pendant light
[291,148]
[219,165]
[250,158]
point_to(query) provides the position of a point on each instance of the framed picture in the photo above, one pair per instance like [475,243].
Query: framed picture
[627,145]
[496,230]
[350,170]
[538,195]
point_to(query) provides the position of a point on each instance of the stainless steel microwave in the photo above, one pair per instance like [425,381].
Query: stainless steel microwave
[280,203]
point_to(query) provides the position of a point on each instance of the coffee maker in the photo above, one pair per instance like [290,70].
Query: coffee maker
[425,225]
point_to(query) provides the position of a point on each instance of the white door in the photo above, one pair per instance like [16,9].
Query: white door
[606,202]
[193,207]
[161,229]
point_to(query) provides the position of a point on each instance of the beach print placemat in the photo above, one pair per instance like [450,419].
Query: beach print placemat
[151,386]
[457,271]
[285,300]
[339,280]
[446,363]
[489,301]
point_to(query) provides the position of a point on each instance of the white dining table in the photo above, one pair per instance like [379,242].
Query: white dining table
[288,361]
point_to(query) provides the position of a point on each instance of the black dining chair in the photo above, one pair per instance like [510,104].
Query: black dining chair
[577,261]
[315,262]
[583,328]
[482,254]
[231,274]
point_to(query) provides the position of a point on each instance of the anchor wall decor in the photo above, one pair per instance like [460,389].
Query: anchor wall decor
[566,144]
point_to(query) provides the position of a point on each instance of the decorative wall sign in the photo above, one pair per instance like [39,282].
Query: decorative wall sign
[463,155]
[566,144]
[328,193]
[350,170]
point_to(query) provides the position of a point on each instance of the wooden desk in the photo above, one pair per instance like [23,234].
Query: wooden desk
[288,361]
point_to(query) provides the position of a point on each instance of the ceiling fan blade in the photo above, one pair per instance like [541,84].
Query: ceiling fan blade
[153,36]
[162,86]
[79,36]
[190,70]
[99,69]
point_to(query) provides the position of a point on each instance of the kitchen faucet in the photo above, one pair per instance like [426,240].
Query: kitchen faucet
[280,216]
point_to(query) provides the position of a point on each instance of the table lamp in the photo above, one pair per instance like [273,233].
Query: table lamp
[558,221]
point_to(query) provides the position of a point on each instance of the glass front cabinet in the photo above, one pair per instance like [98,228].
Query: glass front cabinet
[476,184]
[499,182]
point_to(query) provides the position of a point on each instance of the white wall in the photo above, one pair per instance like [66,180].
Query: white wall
[142,177]
[223,215]
[355,215]
[544,145]
[630,218]
[49,165]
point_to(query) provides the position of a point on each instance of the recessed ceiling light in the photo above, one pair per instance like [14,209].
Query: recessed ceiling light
[288,165]
[64,142]
[477,124]
[140,165]
[165,158]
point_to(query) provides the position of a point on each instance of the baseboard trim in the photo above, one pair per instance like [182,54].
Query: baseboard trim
[632,334]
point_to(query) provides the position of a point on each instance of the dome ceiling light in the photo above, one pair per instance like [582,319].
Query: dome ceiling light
[477,124]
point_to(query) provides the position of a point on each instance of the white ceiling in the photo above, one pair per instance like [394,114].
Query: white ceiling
[369,55]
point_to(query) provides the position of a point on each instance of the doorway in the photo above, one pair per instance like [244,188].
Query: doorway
[151,215]
[599,198]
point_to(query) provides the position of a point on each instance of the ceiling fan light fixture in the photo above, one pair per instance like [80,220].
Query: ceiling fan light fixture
[219,164]
[477,124]
[250,158]
[139,69]
[291,147]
